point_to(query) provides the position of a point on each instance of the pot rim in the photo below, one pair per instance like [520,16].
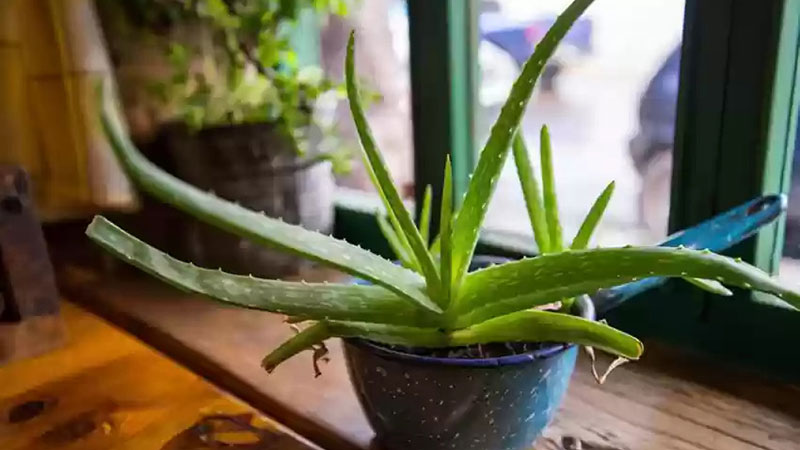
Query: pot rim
[583,307]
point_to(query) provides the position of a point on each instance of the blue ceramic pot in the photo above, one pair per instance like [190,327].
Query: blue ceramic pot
[422,402]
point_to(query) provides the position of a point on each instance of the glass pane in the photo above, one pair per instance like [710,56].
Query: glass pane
[608,98]
[790,263]
[382,53]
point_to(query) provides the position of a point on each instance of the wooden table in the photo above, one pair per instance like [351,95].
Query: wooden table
[666,402]
[107,390]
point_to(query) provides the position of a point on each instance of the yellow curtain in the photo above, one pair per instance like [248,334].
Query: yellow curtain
[51,58]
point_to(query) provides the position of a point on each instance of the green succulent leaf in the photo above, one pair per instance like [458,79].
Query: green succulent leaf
[523,326]
[308,300]
[549,187]
[545,326]
[385,185]
[400,252]
[581,240]
[395,225]
[436,246]
[714,287]
[484,179]
[445,245]
[531,193]
[535,281]
[316,334]
[386,334]
[258,227]
[425,215]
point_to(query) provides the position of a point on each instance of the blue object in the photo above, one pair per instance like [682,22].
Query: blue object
[425,403]
[716,234]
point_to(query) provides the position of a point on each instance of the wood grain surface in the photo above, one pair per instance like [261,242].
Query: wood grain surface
[106,390]
[668,401]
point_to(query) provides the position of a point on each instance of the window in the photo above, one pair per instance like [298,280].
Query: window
[790,263]
[608,98]
[382,53]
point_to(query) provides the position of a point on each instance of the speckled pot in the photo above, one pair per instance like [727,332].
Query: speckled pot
[420,402]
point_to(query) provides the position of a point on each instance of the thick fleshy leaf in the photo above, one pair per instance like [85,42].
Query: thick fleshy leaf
[714,287]
[530,282]
[494,154]
[549,188]
[395,225]
[541,296]
[315,301]
[256,226]
[531,193]
[400,251]
[386,334]
[425,216]
[316,334]
[385,185]
[545,326]
[445,223]
[589,224]
[523,326]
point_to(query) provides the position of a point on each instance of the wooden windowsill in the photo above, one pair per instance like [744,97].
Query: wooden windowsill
[666,401]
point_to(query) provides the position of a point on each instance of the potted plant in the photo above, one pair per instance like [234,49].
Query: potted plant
[215,90]
[441,356]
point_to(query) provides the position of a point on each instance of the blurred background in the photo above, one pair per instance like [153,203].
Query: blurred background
[266,110]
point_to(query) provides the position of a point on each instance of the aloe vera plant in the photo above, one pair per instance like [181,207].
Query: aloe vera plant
[431,299]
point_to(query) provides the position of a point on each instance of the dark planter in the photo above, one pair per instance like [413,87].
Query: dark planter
[420,402]
[253,165]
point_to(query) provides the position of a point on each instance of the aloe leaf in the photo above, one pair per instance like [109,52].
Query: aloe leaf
[445,222]
[484,179]
[425,216]
[544,326]
[308,300]
[385,334]
[714,287]
[436,246]
[542,296]
[395,225]
[304,340]
[256,226]
[400,252]
[385,185]
[549,188]
[410,336]
[531,193]
[530,282]
[581,240]
[524,326]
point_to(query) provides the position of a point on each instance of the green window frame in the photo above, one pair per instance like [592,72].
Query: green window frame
[735,137]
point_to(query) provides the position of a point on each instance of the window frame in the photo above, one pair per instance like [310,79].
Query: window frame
[735,139]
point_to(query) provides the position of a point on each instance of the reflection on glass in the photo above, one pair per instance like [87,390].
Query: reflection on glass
[608,98]
[382,64]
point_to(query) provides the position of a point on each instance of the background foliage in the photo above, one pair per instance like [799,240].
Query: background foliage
[250,73]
